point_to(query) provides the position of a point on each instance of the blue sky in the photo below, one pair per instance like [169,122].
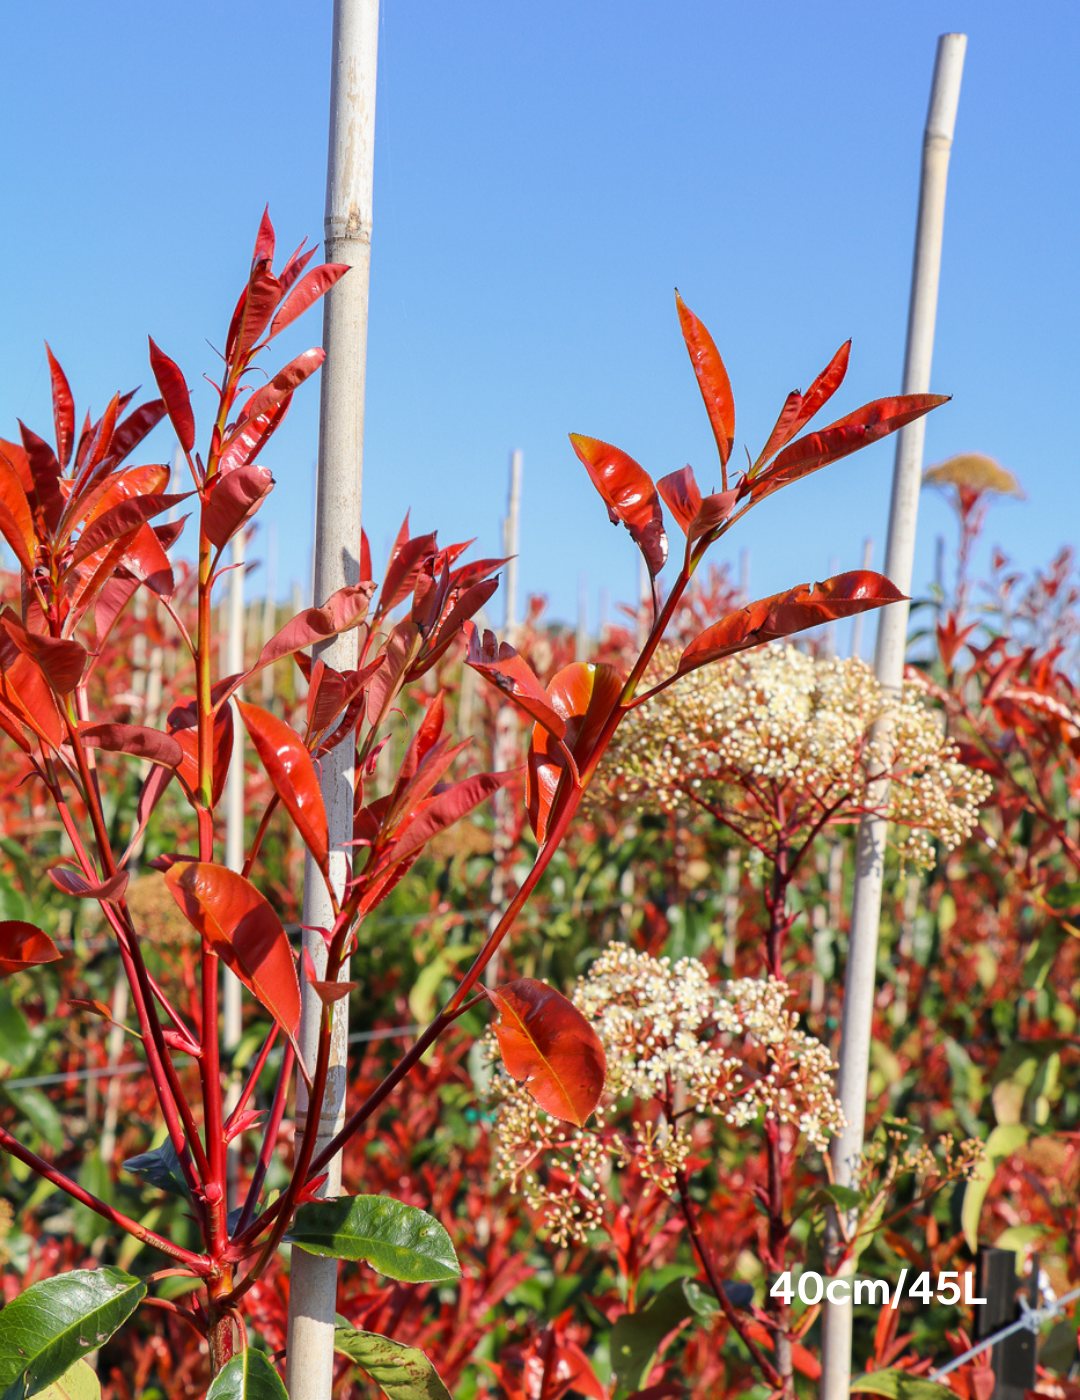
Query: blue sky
[545,176]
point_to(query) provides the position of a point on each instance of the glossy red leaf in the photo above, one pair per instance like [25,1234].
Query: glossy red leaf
[365,557]
[61,660]
[584,695]
[800,408]
[73,883]
[232,500]
[113,598]
[289,767]
[16,521]
[385,684]
[808,605]
[510,673]
[136,739]
[683,498]
[122,519]
[134,428]
[437,813]
[712,378]
[238,924]
[251,437]
[24,945]
[406,558]
[257,304]
[284,383]
[343,610]
[63,410]
[26,693]
[547,1044]
[45,474]
[859,429]
[174,391]
[89,504]
[147,560]
[264,239]
[468,604]
[309,289]
[182,726]
[628,492]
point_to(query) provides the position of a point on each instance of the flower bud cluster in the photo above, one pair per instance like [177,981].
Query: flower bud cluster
[677,1045]
[776,722]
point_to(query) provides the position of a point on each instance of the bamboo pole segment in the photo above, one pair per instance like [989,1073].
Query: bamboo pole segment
[889,667]
[581,633]
[348,222]
[232,991]
[511,530]
[269,616]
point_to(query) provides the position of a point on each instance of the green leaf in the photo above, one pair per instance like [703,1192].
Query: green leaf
[17,1043]
[46,1329]
[900,1385]
[404,1373]
[248,1376]
[1059,1350]
[80,1383]
[1063,897]
[161,1168]
[700,1299]
[635,1336]
[1001,1143]
[40,1112]
[398,1240]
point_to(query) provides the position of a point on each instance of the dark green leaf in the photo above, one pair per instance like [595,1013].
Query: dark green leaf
[1063,897]
[900,1385]
[248,1376]
[398,1240]
[1059,1350]
[46,1329]
[404,1373]
[161,1168]
[635,1336]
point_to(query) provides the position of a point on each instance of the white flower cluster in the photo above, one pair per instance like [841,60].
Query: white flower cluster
[677,1042]
[776,728]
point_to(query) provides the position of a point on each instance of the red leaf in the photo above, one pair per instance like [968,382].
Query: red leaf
[406,559]
[327,992]
[696,517]
[114,597]
[233,499]
[135,739]
[289,767]
[547,1044]
[26,693]
[134,428]
[239,925]
[800,408]
[342,610]
[45,472]
[16,521]
[629,494]
[147,560]
[712,378]
[63,410]
[264,240]
[71,882]
[584,695]
[251,437]
[24,945]
[808,605]
[174,391]
[385,684]
[122,519]
[859,429]
[309,289]
[440,641]
[266,399]
[62,661]
[511,674]
[437,813]
[182,722]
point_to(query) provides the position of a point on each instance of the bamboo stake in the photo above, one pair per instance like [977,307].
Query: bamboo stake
[269,617]
[232,992]
[349,203]
[581,635]
[859,981]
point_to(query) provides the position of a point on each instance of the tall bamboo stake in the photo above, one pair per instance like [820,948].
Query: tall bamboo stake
[511,533]
[232,991]
[889,668]
[857,620]
[349,186]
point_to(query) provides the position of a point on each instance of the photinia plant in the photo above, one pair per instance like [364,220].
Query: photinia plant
[83,527]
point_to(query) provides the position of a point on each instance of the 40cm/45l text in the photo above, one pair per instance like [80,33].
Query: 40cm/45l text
[812,1288]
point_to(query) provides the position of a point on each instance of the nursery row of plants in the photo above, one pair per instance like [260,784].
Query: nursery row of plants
[592,927]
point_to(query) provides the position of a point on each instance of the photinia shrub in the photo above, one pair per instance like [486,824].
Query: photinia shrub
[85,529]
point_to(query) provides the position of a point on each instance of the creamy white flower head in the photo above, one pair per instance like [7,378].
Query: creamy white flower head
[778,721]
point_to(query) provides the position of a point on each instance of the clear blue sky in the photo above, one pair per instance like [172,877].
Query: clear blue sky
[546,174]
